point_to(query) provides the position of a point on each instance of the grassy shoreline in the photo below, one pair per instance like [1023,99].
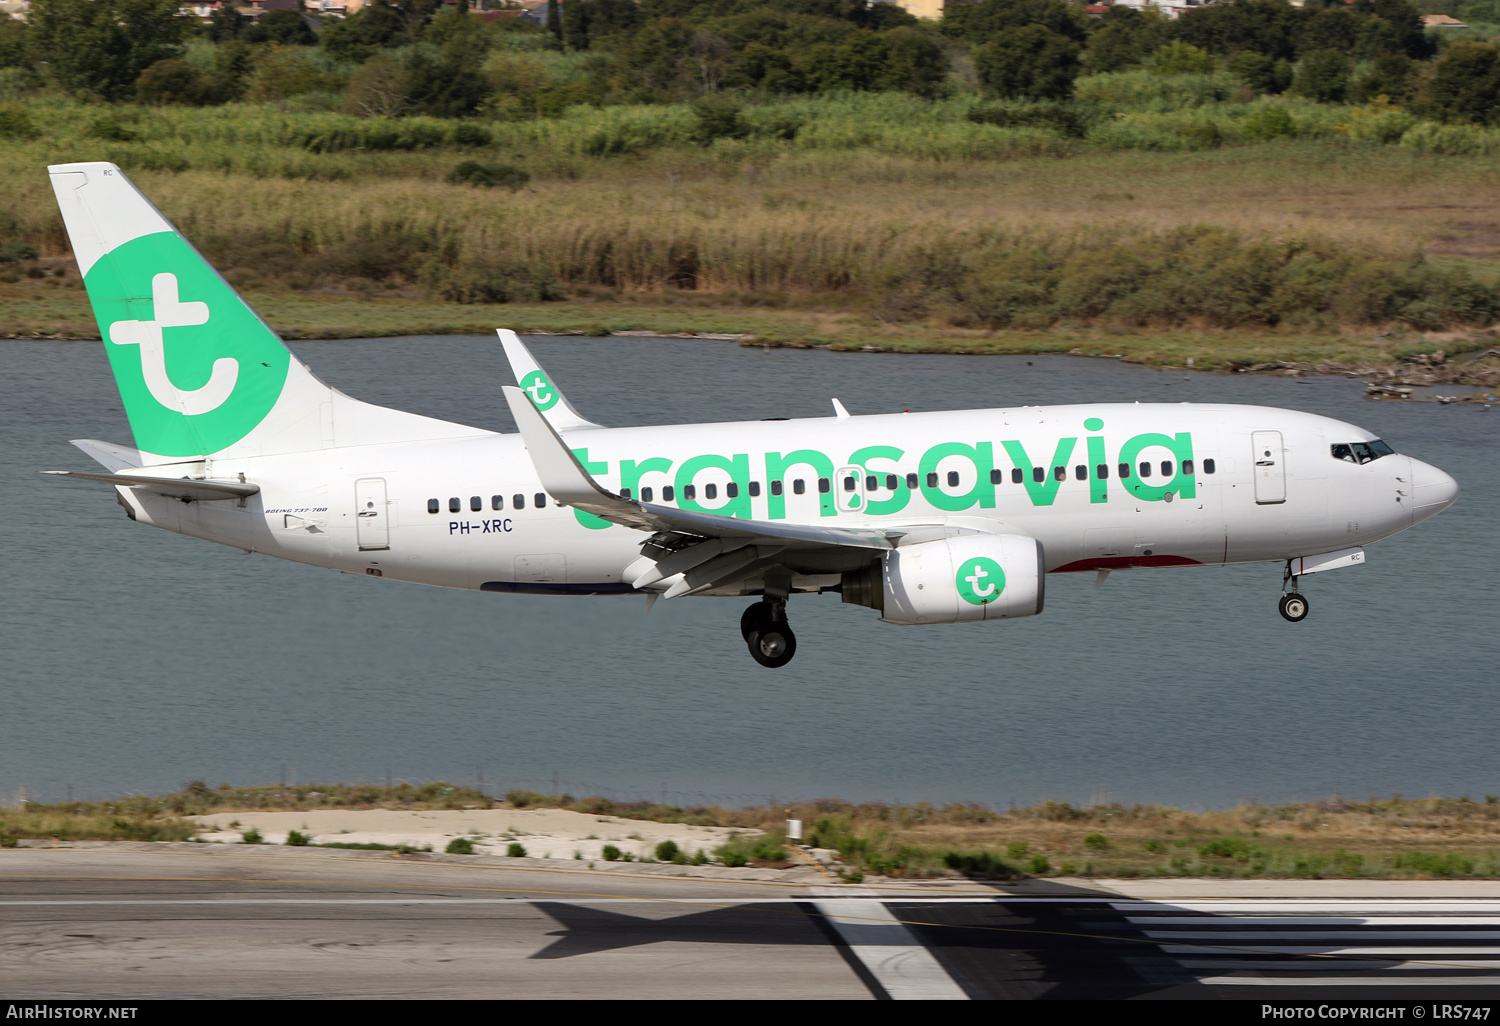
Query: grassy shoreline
[1392,838]
[48,309]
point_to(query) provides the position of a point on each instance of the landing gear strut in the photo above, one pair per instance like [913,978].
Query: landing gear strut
[765,629]
[1293,605]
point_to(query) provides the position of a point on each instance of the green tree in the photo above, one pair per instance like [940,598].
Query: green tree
[380,88]
[981,22]
[289,28]
[1465,85]
[100,47]
[357,38]
[171,81]
[1259,72]
[1323,75]
[226,23]
[13,44]
[1391,75]
[1179,58]
[1270,27]
[1125,37]
[1029,62]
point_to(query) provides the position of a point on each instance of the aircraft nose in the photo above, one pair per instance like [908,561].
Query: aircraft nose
[1434,491]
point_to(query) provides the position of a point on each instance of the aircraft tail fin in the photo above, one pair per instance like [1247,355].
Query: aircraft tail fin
[199,372]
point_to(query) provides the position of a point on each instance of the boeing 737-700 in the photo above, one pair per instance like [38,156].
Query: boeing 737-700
[929,518]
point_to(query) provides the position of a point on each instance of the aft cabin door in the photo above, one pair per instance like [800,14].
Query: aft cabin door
[372,526]
[1270,467]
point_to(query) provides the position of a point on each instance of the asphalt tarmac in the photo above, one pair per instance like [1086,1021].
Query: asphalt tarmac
[102,923]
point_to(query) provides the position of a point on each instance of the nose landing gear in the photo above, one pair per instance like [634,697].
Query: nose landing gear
[1293,606]
[764,626]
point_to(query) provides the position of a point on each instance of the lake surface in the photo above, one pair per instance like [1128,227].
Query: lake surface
[136,660]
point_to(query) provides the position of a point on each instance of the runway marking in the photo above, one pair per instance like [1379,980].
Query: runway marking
[892,954]
[1345,981]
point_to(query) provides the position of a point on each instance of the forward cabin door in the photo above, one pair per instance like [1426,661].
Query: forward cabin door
[1270,467]
[372,520]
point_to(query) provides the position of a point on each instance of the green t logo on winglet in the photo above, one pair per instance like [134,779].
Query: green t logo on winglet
[542,394]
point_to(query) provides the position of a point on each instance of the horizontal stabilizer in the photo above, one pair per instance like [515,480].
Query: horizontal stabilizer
[108,455]
[185,488]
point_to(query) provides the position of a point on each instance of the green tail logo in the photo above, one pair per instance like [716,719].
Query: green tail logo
[197,370]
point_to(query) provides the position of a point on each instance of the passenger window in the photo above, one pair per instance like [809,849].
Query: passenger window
[689,492]
[454,505]
[668,493]
[1208,466]
[476,503]
[754,489]
[798,486]
[775,487]
[1061,473]
[497,502]
[952,479]
[891,481]
[732,490]
[1081,472]
[871,482]
[824,486]
[433,505]
[624,493]
[1166,468]
[911,481]
[849,483]
[518,502]
[1124,471]
[1187,468]
[1102,471]
[996,477]
[540,498]
[1145,469]
[932,479]
[710,491]
[1039,474]
[1016,477]
[647,494]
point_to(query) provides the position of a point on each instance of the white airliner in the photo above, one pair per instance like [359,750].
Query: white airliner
[929,518]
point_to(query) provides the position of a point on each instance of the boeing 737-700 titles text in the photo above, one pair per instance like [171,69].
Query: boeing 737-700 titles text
[928,518]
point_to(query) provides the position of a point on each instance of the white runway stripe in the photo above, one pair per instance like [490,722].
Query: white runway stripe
[1315,920]
[1319,949]
[1337,981]
[890,951]
[1322,965]
[1345,906]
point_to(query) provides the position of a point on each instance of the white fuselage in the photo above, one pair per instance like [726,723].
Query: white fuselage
[1226,484]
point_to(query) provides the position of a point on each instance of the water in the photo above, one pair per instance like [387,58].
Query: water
[135,660]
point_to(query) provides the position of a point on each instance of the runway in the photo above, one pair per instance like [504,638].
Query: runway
[112,924]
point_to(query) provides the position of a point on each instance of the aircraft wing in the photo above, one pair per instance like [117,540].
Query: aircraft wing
[702,550]
[539,385]
[187,489]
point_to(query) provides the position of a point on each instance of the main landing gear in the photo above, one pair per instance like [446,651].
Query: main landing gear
[764,626]
[1293,605]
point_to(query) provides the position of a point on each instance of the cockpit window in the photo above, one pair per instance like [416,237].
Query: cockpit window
[1360,452]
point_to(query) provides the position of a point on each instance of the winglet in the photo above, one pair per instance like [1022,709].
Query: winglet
[839,411]
[539,385]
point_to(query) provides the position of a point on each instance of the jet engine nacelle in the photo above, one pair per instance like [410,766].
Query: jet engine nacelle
[969,577]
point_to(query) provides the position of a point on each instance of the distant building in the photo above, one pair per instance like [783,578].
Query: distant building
[1441,21]
[932,9]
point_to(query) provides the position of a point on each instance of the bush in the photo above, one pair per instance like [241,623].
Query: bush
[667,851]
[460,846]
[16,123]
[1179,58]
[1433,864]
[977,864]
[1028,61]
[515,850]
[1038,865]
[1096,843]
[252,836]
[493,282]
[1225,848]
[1269,121]
[12,251]
[1060,117]
[610,853]
[507,176]
[110,128]
[718,117]
[297,839]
